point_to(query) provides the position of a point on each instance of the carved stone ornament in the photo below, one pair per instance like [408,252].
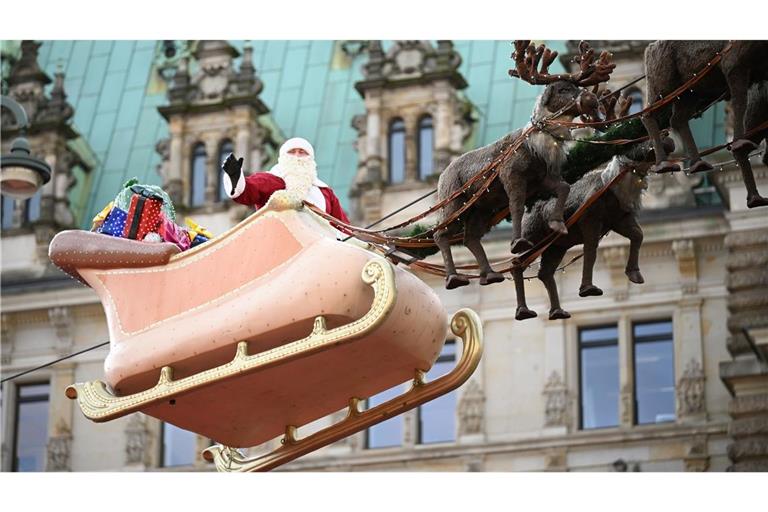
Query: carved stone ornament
[556,401]
[59,448]
[471,410]
[690,390]
[137,440]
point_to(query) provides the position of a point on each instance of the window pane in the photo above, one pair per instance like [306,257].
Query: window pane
[599,335]
[33,207]
[179,446]
[653,329]
[397,152]
[599,377]
[31,427]
[390,432]
[8,206]
[426,144]
[654,372]
[437,418]
[198,176]
[224,152]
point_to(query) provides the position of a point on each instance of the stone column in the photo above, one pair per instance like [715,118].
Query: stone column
[443,127]
[555,392]
[746,374]
[173,183]
[411,147]
[212,173]
[626,374]
[60,420]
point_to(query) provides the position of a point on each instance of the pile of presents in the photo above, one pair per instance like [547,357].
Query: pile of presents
[145,213]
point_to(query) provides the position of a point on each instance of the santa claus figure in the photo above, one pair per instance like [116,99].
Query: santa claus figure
[295,167]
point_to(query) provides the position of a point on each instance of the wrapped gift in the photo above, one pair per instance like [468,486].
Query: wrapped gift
[123,199]
[199,239]
[114,223]
[172,232]
[196,229]
[100,217]
[144,213]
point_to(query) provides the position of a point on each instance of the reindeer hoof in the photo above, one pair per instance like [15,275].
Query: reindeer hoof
[520,245]
[665,167]
[559,314]
[756,201]
[635,276]
[590,290]
[740,145]
[700,166]
[523,313]
[454,281]
[490,278]
[558,226]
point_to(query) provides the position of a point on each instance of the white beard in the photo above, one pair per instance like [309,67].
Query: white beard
[300,176]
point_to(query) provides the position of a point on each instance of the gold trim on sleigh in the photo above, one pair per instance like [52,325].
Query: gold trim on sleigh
[465,324]
[100,405]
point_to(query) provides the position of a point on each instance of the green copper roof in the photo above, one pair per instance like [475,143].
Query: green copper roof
[308,85]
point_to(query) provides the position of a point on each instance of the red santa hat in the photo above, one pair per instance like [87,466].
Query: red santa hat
[297,142]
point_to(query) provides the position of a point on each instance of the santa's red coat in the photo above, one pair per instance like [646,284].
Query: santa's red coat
[260,186]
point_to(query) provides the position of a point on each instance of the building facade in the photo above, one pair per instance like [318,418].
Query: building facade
[665,376]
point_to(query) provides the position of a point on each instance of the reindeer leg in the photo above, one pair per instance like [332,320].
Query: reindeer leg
[516,209]
[738,84]
[442,240]
[474,228]
[628,227]
[561,189]
[754,199]
[591,231]
[662,164]
[682,113]
[522,313]
[549,262]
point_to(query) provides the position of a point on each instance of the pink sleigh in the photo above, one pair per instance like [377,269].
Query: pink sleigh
[265,328]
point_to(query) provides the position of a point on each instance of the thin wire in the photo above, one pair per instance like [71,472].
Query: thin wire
[395,212]
[54,362]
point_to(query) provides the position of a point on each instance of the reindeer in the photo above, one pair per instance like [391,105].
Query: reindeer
[532,169]
[615,210]
[669,64]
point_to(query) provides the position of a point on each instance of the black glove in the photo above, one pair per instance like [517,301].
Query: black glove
[233,169]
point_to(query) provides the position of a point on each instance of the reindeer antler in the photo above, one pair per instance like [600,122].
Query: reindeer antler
[592,73]
[527,58]
[613,106]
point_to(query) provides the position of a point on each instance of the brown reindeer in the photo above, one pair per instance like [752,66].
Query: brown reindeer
[615,210]
[669,64]
[532,169]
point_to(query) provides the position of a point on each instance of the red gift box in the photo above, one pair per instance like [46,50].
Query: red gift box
[143,214]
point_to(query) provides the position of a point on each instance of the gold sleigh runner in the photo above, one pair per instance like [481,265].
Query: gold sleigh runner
[465,324]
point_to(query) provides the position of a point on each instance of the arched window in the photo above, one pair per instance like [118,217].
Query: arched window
[198,175]
[426,146]
[637,100]
[397,151]
[437,419]
[179,446]
[225,148]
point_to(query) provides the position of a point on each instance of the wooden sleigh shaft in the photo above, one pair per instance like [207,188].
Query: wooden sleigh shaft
[465,324]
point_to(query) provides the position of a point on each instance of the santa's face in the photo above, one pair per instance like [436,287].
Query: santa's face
[297,152]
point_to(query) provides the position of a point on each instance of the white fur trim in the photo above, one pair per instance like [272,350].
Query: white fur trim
[239,188]
[297,142]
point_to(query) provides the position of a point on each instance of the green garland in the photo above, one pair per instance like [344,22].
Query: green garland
[583,156]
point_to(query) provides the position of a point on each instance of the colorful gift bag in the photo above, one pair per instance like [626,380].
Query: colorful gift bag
[143,214]
[171,232]
[114,223]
